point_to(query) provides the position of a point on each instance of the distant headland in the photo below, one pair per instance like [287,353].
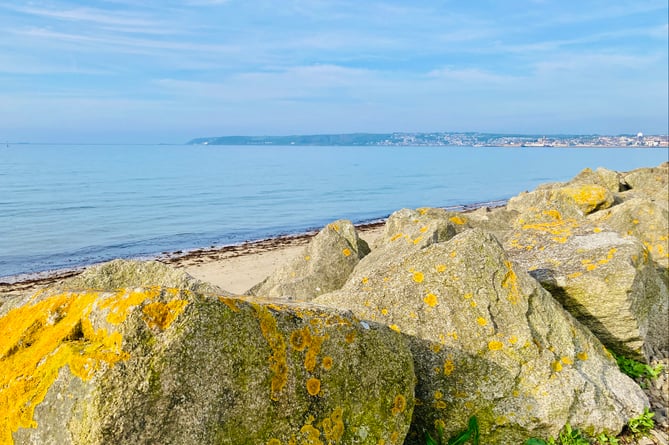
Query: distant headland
[444,139]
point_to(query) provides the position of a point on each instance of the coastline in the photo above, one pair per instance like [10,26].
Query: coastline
[225,266]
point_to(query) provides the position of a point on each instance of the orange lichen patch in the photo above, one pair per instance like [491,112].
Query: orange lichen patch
[364,280]
[300,339]
[436,347]
[274,442]
[468,295]
[399,404]
[229,302]
[453,254]
[457,219]
[556,366]
[440,268]
[312,352]
[350,337]
[333,426]
[439,404]
[418,277]
[334,227]
[481,321]
[453,335]
[277,361]
[162,315]
[431,300]
[346,252]
[495,345]
[582,355]
[311,435]
[394,327]
[449,367]
[510,282]
[313,386]
[423,229]
[327,363]
[438,395]
[597,229]
[574,275]
[472,303]
[513,339]
[39,339]
[417,240]
[422,211]
[307,258]
[384,311]
[122,303]
[566,360]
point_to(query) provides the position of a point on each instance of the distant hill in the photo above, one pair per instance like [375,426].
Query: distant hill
[314,139]
[442,139]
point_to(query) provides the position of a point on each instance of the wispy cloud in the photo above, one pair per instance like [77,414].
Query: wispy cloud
[344,64]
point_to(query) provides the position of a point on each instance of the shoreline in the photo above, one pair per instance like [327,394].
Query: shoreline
[193,258]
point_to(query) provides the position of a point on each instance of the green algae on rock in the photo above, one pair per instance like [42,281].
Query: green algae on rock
[162,365]
[119,273]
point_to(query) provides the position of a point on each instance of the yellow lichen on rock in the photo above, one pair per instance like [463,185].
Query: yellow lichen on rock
[124,301]
[399,404]
[277,361]
[333,426]
[589,197]
[162,315]
[510,282]
[313,386]
[41,338]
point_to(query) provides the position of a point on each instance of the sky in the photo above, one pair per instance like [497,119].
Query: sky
[167,71]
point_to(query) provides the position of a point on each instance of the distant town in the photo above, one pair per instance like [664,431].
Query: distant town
[444,139]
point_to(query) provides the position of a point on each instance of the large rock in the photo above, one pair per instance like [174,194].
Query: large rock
[645,219]
[415,229]
[609,179]
[498,221]
[323,266]
[171,366]
[571,200]
[119,274]
[648,178]
[489,341]
[605,280]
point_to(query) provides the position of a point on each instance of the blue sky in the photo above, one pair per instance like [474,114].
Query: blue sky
[149,71]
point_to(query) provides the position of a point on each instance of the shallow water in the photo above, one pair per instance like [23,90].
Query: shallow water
[64,206]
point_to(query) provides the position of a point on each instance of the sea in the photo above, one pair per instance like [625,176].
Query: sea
[67,206]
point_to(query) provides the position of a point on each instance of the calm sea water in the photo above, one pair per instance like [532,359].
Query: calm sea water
[65,206]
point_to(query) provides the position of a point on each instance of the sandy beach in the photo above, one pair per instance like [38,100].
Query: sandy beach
[233,268]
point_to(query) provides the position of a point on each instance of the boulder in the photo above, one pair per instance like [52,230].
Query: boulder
[173,366]
[645,219]
[119,274]
[648,178]
[605,280]
[571,201]
[419,228]
[489,341]
[323,266]
[611,180]
[498,221]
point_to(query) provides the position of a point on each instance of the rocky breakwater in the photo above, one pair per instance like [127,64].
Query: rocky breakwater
[506,315]
[115,363]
